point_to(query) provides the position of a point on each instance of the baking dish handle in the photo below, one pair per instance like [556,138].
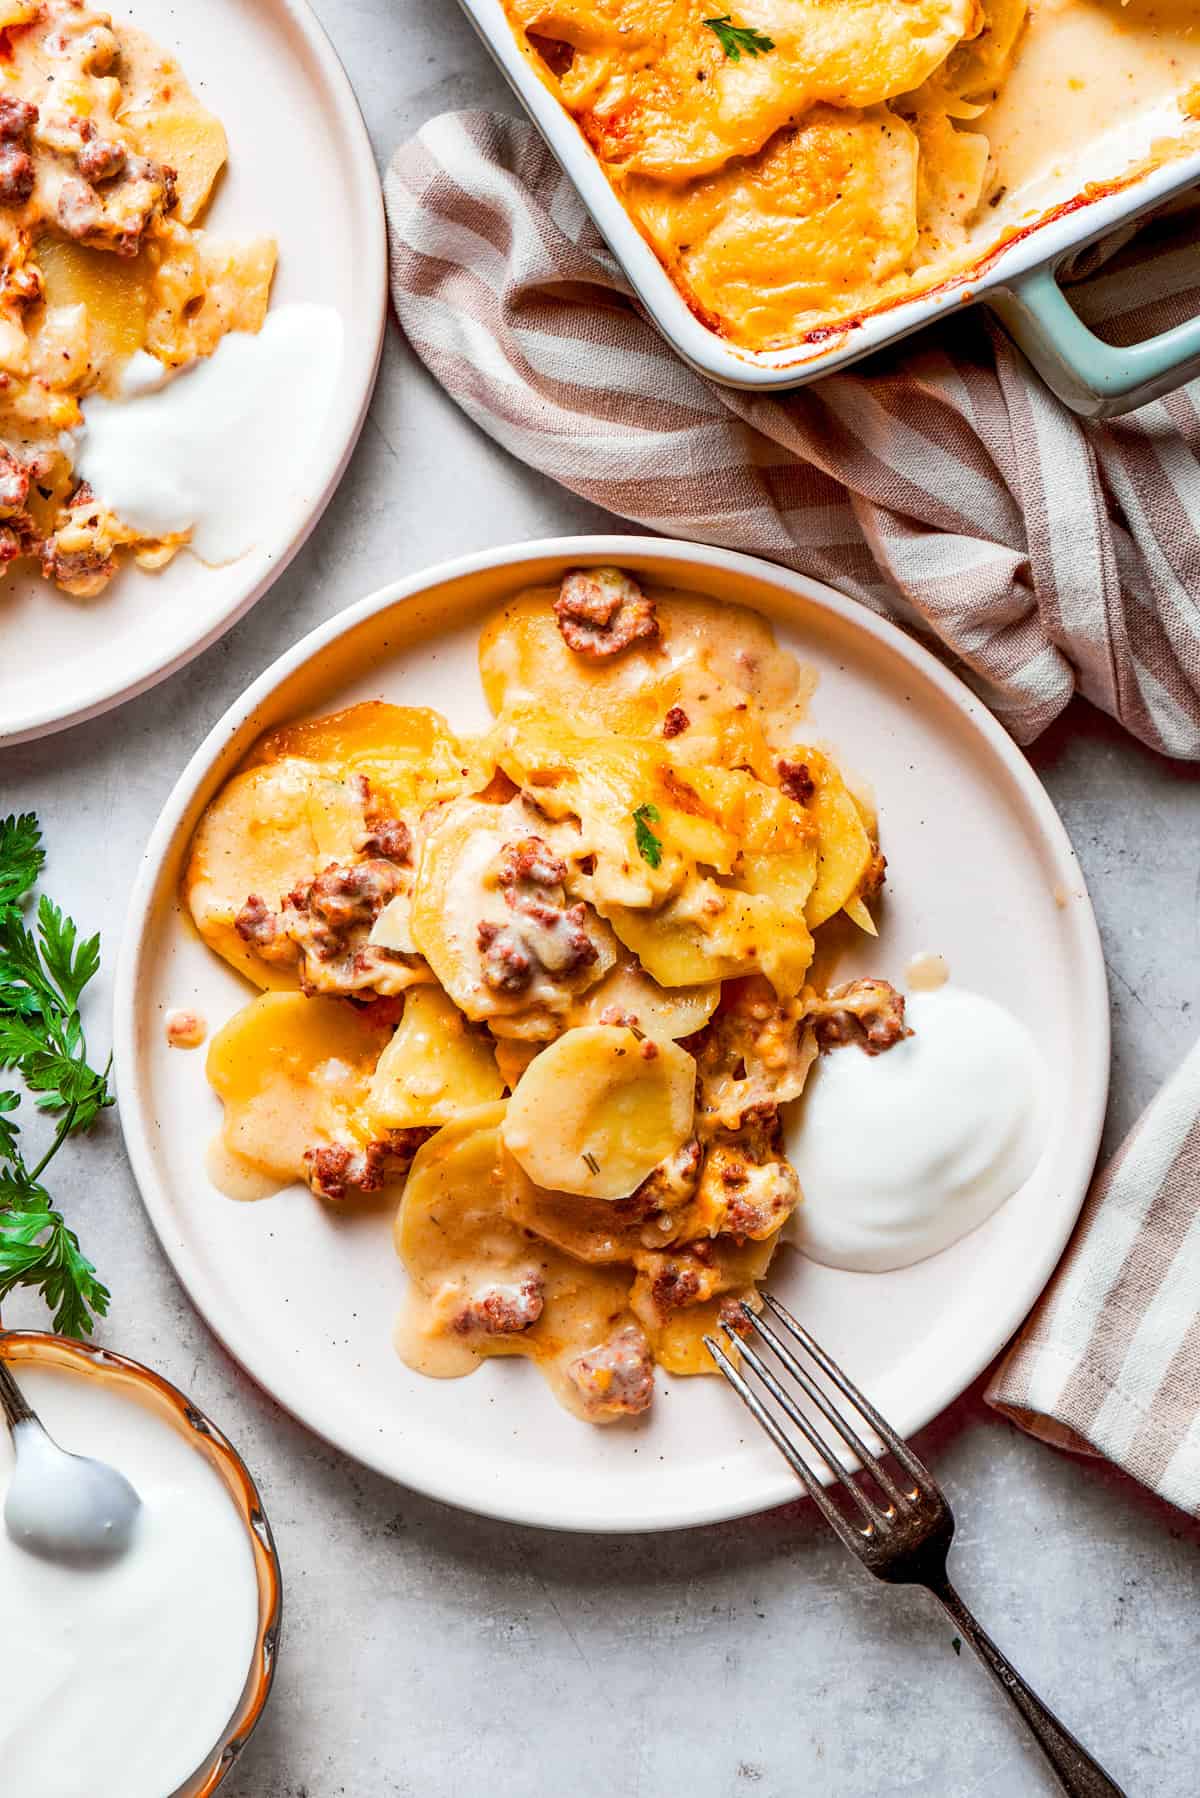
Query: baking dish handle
[1095,378]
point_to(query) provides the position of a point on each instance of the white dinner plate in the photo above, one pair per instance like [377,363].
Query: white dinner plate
[301,170]
[980,871]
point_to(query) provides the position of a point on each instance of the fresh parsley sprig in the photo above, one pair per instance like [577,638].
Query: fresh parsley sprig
[649,846]
[43,974]
[733,39]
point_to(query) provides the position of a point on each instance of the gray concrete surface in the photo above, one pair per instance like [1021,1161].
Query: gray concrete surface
[431,1653]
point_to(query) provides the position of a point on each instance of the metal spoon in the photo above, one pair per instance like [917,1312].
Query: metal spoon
[63,1507]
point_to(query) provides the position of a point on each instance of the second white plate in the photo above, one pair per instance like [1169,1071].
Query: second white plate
[980,870]
[300,169]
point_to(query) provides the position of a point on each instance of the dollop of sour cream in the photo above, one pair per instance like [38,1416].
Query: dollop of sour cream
[220,447]
[902,1153]
[122,1677]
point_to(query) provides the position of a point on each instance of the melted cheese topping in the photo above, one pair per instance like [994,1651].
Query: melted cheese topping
[612,895]
[853,152]
[662,97]
[100,190]
[811,226]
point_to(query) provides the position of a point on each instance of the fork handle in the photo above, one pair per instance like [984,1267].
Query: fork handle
[13,1403]
[1076,1771]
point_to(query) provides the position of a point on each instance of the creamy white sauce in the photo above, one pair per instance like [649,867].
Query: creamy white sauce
[1092,88]
[121,1678]
[220,447]
[902,1153]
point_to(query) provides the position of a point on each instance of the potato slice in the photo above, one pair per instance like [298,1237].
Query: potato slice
[717,931]
[513,1056]
[434,1069]
[678,1338]
[204,288]
[408,753]
[718,663]
[457,1245]
[268,829]
[292,1073]
[457,891]
[658,1011]
[113,290]
[845,848]
[187,138]
[297,804]
[638,815]
[162,118]
[598,1110]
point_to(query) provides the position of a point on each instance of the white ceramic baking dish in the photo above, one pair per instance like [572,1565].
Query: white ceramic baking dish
[1019,282]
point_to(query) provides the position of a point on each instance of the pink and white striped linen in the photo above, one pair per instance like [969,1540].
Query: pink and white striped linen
[1108,1363]
[945,487]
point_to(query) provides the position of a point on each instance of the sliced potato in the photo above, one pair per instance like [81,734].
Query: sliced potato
[598,1110]
[678,1337]
[636,813]
[434,1069]
[845,848]
[457,1245]
[392,929]
[593,1230]
[113,290]
[658,1011]
[718,663]
[408,753]
[292,1073]
[297,804]
[457,891]
[268,829]
[513,1056]
[255,837]
[455,1167]
[716,931]
[187,138]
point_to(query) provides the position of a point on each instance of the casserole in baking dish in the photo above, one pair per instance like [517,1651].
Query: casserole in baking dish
[794,182]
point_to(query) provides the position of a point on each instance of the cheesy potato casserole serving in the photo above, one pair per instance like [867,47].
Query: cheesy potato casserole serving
[548,986]
[794,163]
[107,162]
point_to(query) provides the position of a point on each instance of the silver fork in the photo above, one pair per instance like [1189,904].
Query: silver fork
[901,1534]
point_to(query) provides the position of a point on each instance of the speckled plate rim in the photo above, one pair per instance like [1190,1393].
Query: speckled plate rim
[1090,1010]
[95,1361]
[364,348]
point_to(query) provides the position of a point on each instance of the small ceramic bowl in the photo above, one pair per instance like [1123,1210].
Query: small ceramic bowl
[32,1348]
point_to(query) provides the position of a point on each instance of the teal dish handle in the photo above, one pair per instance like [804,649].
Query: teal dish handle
[1094,378]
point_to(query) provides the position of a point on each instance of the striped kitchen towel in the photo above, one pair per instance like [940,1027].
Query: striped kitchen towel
[941,483]
[1109,1362]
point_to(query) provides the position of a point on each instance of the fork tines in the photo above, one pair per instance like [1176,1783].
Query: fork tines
[787,1341]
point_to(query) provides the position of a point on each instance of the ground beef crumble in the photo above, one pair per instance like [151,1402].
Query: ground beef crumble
[502,1310]
[867,1012]
[543,935]
[335,1170]
[324,925]
[873,880]
[796,781]
[601,611]
[384,835]
[617,1378]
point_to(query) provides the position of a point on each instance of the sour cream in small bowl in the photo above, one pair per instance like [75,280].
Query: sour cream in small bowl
[147,1676]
